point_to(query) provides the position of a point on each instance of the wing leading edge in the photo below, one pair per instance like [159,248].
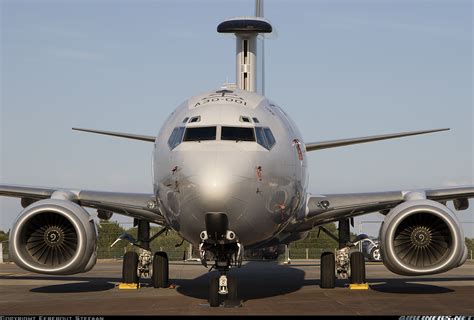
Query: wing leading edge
[332,207]
[136,205]
[313,146]
[120,134]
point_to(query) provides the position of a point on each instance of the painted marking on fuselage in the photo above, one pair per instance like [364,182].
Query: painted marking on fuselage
[218,98]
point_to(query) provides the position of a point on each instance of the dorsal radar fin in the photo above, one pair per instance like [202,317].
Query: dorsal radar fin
[246,30]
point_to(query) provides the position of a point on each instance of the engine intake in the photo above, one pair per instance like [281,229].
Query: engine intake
[421,237]
[54,237]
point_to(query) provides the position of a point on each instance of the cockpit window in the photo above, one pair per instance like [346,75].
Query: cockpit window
[244,119]
[200,134]
[264,137]
[176,137]
[195,119]
[237,134]
[270,137]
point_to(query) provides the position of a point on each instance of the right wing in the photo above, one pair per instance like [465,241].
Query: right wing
[119,134]
[136,205]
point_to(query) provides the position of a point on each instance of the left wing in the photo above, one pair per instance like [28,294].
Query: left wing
[332,207]
[136,205]
[313,146]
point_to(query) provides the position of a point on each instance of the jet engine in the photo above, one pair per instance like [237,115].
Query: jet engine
[54,236]
[421,237]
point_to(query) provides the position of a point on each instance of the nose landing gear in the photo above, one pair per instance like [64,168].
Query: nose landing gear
[221,245]
[223,291]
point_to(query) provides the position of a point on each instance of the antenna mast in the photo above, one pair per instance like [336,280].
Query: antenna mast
[246,30]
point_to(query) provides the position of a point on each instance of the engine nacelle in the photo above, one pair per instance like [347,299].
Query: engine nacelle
[421,237]
[54,236]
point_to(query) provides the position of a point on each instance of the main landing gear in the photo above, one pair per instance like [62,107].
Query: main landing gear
[343,264]
[142,265]
[220,245]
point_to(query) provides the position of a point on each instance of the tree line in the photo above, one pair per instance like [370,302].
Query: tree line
[171,242]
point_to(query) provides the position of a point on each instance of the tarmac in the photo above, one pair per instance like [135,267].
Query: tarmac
[265,288]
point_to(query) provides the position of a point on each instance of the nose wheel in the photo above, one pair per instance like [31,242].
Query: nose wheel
[223,291]
[214,296]
[221,245]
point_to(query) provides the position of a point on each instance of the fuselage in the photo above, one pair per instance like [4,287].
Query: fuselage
[235,152]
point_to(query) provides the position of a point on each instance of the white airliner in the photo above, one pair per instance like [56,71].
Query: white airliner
[230,172]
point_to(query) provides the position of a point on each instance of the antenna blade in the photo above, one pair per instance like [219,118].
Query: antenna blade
[261,76]
[259,8]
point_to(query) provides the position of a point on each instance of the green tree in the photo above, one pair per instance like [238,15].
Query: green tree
[4,235]
[165,242]
[4,239]
[315,245]
[470,247]
[108,232]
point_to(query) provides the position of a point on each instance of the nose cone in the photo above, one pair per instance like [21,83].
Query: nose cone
[220,178]
[214,183]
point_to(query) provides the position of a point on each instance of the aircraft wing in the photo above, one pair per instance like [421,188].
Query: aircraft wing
[332,207]
[313,146]
[136,205]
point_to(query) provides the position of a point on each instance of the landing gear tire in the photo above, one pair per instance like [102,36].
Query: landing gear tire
[328,273]
[130,266]
[232,296]
[214,296]
[160,276]
[357,267]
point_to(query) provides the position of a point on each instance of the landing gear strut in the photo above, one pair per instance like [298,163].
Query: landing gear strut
[343,264]
[141,265]
[222,246]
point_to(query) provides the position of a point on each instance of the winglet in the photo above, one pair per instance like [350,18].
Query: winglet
[345,142]
[120,134]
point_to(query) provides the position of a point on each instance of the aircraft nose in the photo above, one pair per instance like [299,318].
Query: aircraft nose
[215,181]
[226,181]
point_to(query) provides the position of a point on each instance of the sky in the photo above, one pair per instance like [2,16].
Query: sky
[340,69]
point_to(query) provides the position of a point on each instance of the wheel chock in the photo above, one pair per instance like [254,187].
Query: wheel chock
[125,286]
[359,286]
